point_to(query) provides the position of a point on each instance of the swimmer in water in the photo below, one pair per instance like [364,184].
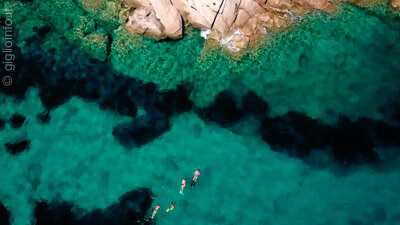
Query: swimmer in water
[172,207]
[196,175]
[156,208]
[182,186]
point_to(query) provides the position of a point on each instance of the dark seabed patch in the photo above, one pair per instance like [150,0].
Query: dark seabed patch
[76,165]
[130,210]
[97,82]
[44,117]
[17,120]
[4,215]
[351,142]
[2,123]
[17,147]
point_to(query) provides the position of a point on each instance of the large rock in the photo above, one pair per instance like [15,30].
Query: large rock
[226,14]
[157,18]
[234,24]
[301,6]
[169,17]
[396,4]
[323,5]
[144,21]
[196,12]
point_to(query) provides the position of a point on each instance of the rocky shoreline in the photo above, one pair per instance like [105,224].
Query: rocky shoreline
[233,24]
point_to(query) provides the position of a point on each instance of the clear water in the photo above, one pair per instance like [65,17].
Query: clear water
[242,181]
[326,66]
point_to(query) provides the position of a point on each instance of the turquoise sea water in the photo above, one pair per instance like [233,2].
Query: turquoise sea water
[326,66]
[242,181]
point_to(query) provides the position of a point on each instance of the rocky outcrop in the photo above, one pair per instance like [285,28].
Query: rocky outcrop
[232,23]
[169,17]
[395,4]
[158,18]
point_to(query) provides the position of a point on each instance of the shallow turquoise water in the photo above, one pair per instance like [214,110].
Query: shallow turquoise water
[327,64]
[322,66]
[242,180]
[347,64]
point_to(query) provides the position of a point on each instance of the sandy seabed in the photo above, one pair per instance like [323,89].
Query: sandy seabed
[75,158]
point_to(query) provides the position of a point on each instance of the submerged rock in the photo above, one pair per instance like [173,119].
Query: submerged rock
[17,120]
[4,215]
[44,117]
[351,142]
[104,86]
[224,111]
[2,123]
[17,147]
[255,105]
[130,210]
[96,45]
[141,130]
[92,5]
